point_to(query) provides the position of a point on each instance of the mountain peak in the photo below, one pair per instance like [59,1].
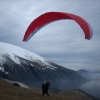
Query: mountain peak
[27,67]
[83,70]
[10,49]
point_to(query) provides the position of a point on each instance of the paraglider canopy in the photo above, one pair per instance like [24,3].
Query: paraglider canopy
[49,17]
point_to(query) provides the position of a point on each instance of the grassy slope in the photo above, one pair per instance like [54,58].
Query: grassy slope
[10,92]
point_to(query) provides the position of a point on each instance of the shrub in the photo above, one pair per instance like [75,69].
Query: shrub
[16,84]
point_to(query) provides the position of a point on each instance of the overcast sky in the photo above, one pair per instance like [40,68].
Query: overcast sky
[62,41]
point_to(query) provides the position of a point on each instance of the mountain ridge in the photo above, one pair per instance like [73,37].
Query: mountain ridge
[32,69]
[10,92]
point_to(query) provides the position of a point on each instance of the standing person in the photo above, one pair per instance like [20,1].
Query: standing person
[45,87]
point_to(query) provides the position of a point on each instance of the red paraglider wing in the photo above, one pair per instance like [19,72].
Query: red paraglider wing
[49,17]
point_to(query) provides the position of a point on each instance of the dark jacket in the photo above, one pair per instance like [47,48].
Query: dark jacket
[45,87]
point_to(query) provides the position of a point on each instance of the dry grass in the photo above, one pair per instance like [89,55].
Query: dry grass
[10,92]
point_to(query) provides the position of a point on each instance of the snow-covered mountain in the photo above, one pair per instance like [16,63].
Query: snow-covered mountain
[13,51]
[22,65]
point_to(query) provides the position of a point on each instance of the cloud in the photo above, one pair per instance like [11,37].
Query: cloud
[62,41]
[93,87]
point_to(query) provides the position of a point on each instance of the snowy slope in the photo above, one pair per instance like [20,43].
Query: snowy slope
[12,50]
[18,64]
